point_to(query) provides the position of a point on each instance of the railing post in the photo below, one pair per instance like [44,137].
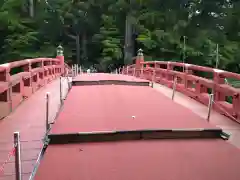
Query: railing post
[17,150]
[72,70]
[80,69]
[77,69]
[60,89]
[47,111]
[210,106]
[174,87]
[60,56]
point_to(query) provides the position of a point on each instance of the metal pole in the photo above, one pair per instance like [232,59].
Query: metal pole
[60,88]
[47,111]
[134,71]
[68,82]
[153,77]
[210,106]
[174,87]
[75,70]
[72,70]
[217,57]
[127,70]
[18,165]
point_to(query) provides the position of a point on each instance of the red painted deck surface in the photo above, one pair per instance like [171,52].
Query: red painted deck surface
[35,118]
[103,108]
[29,120]
[111,107]
[229,126]
[104,76]
[142,160]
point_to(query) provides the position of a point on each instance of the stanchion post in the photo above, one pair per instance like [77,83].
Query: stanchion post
[47,111]
[127,70]
[209,106]
[134,71]
[60,89]
[174,87]
[153,78]
[18,165]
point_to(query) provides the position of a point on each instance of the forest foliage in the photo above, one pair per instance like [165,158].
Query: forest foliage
[159,29]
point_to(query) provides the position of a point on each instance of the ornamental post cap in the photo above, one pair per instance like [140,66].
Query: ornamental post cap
[60,50]
[140,52]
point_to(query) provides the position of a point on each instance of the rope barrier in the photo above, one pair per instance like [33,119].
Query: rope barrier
[22,141]
[10,154]
[12,174]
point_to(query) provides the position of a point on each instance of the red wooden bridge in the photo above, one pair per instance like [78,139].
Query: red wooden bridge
[119,126]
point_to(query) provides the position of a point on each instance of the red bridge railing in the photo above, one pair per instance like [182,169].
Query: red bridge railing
[191,83]
[20,79]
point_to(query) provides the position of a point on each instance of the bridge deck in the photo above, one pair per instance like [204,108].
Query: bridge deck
[29,120]
[229,126]
[115,108]
[164,159]
[127,108]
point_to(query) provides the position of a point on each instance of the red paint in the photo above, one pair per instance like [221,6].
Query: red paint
[163,159]
[35,74]
[110,107]
[192,85]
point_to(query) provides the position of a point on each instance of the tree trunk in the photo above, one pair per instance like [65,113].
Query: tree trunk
[84,46]
[128,48]
[31,8]
[78,48]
